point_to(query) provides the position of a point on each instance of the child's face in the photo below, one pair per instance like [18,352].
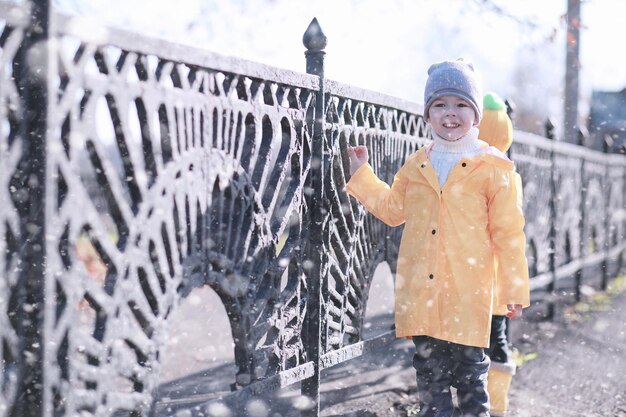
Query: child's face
[451,117]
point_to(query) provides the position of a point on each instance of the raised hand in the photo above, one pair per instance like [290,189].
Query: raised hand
[358,157]
[515,311]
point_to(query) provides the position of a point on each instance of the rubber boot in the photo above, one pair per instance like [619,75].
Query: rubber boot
[498,383]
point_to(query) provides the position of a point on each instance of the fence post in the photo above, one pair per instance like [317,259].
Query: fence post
[552,234]
[582,221]
[622,253]
[32,77]
[315,41]
[607,223]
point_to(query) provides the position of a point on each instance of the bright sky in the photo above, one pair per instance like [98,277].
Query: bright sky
[387,46]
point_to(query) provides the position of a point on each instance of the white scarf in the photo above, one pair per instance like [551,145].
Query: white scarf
[445,154]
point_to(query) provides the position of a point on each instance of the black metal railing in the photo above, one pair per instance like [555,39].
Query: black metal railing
[134,171]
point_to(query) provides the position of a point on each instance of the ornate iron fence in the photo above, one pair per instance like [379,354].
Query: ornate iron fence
[134,170]
[574,206]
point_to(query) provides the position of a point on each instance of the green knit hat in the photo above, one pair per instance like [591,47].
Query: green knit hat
[492,101]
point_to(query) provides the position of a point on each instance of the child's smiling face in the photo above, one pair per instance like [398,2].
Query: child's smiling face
[451,117]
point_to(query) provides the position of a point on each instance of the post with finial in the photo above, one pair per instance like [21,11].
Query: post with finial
[510,107]
[315,41]
[549,126]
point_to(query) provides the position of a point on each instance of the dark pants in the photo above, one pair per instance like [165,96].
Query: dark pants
[498,344]
[440,365]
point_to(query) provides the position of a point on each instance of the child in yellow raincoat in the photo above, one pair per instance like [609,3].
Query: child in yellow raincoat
[496,129]
[461,203]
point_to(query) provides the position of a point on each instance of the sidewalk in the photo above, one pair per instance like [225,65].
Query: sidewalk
[574,366]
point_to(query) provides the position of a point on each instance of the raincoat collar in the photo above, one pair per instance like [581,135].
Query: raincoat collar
[490,155]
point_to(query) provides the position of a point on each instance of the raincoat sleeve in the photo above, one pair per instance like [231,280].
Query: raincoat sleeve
[506,227]
[384,202]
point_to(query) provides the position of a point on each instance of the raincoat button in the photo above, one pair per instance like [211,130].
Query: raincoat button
[434,231]
[423,165]
[431,276]
[463,164]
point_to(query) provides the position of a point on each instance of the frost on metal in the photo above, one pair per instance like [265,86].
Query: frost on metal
[357,243]
[173,176]
[171,168]
[573,198]
[12,33]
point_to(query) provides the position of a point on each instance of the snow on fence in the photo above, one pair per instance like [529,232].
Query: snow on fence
[134,171]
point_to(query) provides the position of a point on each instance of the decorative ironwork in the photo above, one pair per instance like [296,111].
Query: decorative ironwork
[169,168]
[533,162]
[615,202]
[12,26]
[185,176]
[356,242]
[588,207]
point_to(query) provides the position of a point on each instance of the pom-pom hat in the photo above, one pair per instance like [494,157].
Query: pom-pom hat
[496,128]
[454,78]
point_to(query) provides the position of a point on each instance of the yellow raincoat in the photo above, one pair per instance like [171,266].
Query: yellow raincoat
[453,241]
[496,129]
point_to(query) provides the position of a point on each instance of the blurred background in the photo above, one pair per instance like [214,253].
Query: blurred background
[520,47]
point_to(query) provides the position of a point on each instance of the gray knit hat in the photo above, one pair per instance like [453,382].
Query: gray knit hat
[454,78]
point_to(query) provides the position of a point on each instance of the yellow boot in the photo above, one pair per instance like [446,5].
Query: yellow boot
[498,383]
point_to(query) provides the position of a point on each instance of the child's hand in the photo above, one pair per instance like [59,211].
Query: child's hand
[358,156]
[515,310]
